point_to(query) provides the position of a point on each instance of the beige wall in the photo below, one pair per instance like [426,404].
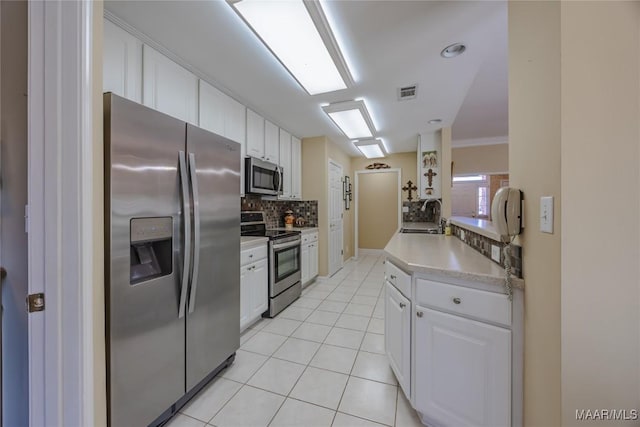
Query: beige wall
[600,156]
[534,146]
[316,153]
[377,208]
[100,385]
[484,159]
[406,162]
[445,135]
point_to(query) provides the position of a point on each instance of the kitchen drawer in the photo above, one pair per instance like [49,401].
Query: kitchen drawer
[483,305]
[253,254]
[398,278]
[309,237]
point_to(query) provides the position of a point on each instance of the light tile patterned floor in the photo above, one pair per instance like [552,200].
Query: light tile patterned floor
[320,362]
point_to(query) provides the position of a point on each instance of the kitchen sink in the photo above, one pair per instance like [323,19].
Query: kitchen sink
[420,231]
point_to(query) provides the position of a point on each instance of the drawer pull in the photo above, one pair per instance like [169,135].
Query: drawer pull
[249,268]
[402,305]
[419,314]
[457,300]
[251,256]
[393,277]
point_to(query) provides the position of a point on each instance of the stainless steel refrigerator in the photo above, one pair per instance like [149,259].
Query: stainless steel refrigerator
[172,238]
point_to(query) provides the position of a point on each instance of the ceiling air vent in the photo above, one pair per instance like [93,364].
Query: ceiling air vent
[407,92]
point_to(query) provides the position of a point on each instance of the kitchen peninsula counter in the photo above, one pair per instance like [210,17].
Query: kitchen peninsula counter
[447,257]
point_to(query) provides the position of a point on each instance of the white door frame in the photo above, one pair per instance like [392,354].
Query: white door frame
[329,273]
[356,200]
[60,221]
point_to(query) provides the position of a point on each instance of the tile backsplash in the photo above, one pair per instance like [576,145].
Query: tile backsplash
[415,213]
[483,245]
[274,210]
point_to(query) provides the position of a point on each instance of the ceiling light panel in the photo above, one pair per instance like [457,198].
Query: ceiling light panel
[371,149]
[299,36]
[352,118]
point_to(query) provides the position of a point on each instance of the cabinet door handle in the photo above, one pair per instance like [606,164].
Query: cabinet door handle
[248,268]
[251,256]
[402,305]
[393,277]
[457,300]
[419,314]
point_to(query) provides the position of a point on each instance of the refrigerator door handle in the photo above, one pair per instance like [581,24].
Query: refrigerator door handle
[186,213]
[196,233]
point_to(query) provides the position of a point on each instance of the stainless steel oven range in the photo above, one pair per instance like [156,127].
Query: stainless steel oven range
[284,260]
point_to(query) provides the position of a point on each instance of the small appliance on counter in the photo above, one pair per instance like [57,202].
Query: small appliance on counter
[262,177]
[289,220]
[285,250]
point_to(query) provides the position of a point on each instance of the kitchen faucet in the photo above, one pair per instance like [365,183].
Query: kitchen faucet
[424,208]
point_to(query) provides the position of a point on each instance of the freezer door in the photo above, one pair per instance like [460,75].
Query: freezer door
[213,326]
[144,261]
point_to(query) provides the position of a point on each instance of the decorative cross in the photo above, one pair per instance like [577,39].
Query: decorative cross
[410,188]
[430,174]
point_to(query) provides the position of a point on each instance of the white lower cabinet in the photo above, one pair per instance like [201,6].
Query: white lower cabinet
[309,257]
[462,370]
[254,298]
[397,335]
[313,259]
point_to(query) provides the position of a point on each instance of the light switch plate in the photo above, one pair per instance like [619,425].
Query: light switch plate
[546,214]
[495,253]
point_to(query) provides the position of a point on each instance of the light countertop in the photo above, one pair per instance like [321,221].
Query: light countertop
[251,241]
[481,226]
[302,230]
[445,256]
[419,225]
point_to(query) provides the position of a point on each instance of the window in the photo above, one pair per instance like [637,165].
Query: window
[469,178]
[483,201]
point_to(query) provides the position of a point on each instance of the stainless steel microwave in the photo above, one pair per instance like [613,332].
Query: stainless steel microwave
[262,177]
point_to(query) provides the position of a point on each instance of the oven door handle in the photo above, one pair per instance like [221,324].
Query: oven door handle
[277,246]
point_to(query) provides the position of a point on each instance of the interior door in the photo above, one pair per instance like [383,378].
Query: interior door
[335,218]
[213,330]
[14,347]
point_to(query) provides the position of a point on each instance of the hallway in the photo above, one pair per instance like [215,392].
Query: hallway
[321,362]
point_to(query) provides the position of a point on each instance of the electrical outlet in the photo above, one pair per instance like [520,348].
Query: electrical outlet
[405,209]
[461,234]
[495,253]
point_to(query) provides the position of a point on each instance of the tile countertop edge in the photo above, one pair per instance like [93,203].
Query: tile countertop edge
[252,241]
[483,280]
[481,226]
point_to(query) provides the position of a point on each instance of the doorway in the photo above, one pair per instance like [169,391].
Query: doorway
[335,217]
[378,208]
[14,351]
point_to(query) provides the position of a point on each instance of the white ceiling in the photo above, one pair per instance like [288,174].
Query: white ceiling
[387,44]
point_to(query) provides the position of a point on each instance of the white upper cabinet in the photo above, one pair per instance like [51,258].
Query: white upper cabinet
[285,162]
[122,63]
[221,114]
[271,143]
[168,87]
[296,168]
[255,135]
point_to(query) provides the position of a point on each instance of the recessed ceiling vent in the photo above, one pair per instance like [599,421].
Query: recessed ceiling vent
[407,92]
